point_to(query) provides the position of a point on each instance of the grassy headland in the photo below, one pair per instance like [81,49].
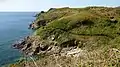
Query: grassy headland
[94,30]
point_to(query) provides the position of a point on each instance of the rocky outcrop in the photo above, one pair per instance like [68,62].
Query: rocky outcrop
[32,45]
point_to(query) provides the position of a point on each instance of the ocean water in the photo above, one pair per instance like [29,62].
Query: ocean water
[13,26]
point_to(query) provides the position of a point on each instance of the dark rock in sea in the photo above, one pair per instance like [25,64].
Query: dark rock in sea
[19,45]
[30,25]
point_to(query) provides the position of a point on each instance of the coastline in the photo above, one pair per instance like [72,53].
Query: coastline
[72,37]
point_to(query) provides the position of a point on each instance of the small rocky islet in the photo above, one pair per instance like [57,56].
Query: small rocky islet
[73,37]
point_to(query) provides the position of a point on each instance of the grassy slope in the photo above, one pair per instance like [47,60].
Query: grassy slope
[71,22]
[90,28]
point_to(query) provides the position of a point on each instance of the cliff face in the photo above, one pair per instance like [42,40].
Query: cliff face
[74,37]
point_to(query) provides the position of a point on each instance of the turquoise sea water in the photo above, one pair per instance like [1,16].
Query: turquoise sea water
[13,26]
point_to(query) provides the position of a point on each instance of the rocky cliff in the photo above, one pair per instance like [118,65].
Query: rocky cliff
[73,37]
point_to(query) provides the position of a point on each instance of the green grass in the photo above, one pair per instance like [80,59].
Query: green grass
[78,23]
[90,29]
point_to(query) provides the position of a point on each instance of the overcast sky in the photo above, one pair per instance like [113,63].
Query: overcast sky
[38,5]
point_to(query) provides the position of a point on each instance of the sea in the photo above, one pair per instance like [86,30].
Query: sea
[13,26]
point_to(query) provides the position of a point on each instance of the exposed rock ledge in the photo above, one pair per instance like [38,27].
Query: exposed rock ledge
[32,45]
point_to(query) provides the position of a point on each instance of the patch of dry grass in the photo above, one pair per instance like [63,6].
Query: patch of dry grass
[96,58]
